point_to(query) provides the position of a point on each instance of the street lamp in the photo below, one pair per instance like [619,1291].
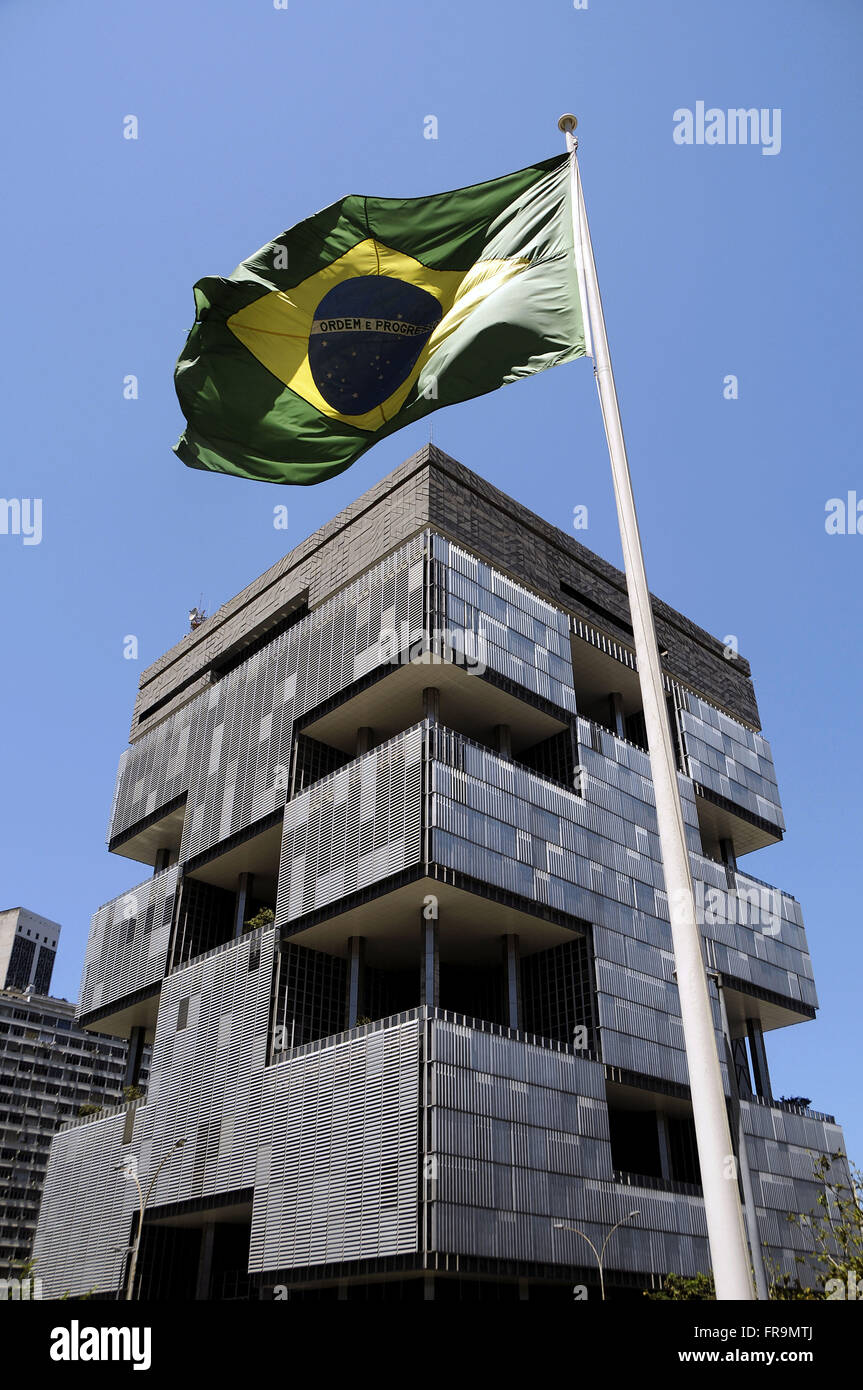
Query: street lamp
[124,1251]
[129,1168]
[600,1254]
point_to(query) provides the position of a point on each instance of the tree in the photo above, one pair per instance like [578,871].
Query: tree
[836,1235]
[835,1230]
[784,1288]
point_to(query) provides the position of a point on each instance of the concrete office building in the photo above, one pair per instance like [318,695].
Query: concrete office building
[411,756]
[28,949]
[49,1069]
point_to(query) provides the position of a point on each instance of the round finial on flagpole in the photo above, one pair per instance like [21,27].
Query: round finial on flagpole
[567,124]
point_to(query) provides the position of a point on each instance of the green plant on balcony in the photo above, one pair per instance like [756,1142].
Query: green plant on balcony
[264,918]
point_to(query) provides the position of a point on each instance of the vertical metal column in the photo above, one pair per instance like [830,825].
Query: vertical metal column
[741,1067]
[512,980]
[615,701]
[356,973]
[429,962]
[758,1053]
[205,1262]
[244,895]
[664,1145]
[431,703]
[133,1057]
[178,924]
[729,858]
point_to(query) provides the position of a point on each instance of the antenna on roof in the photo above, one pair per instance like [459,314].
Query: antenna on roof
[197,615]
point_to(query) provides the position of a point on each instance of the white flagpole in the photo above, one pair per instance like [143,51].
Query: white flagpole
[722,1207]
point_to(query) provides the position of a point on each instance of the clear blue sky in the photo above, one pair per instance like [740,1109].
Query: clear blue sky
[712,259]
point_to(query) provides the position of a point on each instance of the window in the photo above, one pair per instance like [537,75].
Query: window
[182,1014]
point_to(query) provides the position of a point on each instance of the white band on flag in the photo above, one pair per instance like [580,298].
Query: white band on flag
[578,245]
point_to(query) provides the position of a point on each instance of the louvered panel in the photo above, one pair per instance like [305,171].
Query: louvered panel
[86,1210]
[525,638]
[213,747]
[597,857]
[209,1074]
[229,777]
[128,943]
[304,1211]
[783,1147]
[730,759]
[515,1156]
[359,825]
[341,1134]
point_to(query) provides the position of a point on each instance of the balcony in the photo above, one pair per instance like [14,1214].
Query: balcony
[804,1111]
[126,955]
[209,769]
[504,847]
[650,1183]
[732,770]
[508,850]
[422,1013]
[364,846]
[104,1112]
[758,944]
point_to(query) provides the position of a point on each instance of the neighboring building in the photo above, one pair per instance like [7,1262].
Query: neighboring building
[459,1037]
[28,947]
[49,1068]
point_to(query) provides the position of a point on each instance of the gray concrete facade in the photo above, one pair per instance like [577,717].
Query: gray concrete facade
[341,832]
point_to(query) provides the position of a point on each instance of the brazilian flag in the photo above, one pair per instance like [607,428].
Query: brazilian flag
[373,313]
